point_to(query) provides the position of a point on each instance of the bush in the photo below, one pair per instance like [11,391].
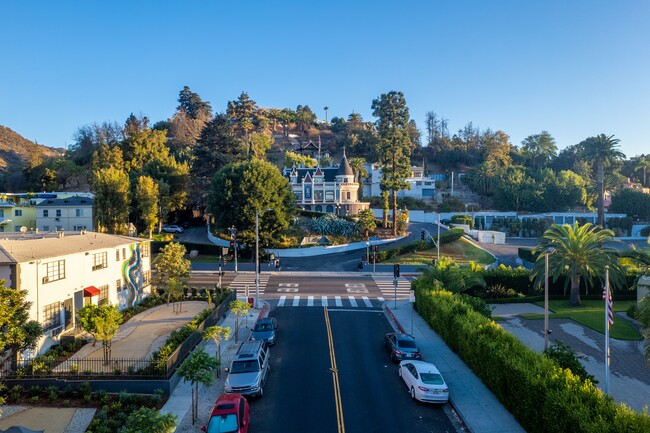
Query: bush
[451,236]
[463,219]
[566,358]
[526,253]
[541,396]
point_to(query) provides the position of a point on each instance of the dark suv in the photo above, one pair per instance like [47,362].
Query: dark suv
[401,346]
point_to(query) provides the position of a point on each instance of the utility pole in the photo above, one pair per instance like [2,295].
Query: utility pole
[257,258]
[233,235]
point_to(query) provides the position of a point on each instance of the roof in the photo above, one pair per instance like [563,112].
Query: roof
[344,167]
[329,173]
[35,246]
[70,201]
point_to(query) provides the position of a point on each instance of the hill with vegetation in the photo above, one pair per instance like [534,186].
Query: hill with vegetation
[16,150]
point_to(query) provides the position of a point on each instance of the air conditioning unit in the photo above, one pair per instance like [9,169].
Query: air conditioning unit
[46,280]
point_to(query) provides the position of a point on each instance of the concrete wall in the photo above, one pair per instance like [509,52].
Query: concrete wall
[322,250]
[490,237]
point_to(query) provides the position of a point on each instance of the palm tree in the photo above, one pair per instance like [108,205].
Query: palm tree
[643,165]
[358,166]
[326,108]
[601,150]
[579,253]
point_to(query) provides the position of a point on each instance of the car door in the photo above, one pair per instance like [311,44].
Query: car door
[390,343]
[407,374]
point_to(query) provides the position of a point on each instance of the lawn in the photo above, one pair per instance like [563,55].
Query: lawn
[592,314]
[462,251]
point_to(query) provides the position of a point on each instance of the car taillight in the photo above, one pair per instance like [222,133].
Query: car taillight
[445,390]
[423,388]
[397,352]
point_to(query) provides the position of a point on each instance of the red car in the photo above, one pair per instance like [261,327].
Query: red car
[229,415]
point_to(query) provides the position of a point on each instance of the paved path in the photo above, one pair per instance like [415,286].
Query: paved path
[629,373]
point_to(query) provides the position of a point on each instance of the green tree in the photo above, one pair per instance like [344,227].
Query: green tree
[632,202]
[580,253]
[149,420]
[217,334]
[358,166]
[538,150]
[192,104]
[86,319]
[601,150]
[260,144]
[240,189]
[146,196]
[239,309]
[448,275]
[305,117]
[286,117]
[367,221]
[243,112]
[292,159]
[107,324]
[496,146]
[642,165]
[17,332]
[111,204]
[394,144]
[189,120]
[172,268]
[326,108]
[197,369]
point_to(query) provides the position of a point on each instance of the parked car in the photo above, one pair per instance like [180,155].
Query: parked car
[172,229]
[401,346]
[424,381]
[249,370]
[229,414]
[265,330]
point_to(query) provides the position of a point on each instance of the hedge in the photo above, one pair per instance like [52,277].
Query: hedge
[541,396]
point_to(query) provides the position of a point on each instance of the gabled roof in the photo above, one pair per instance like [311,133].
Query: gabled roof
[329,174]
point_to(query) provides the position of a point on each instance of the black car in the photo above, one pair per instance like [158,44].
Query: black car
[401,346]
[265,330]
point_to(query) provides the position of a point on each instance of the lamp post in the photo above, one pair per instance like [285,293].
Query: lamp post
[547,253]
[233,235]
[257,256]
[367,252]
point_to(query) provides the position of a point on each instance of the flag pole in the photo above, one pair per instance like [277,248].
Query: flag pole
[607,295]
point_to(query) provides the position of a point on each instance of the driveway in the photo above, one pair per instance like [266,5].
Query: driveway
[629,372]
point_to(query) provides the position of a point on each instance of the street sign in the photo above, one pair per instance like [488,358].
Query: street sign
[411,295]
[374,238]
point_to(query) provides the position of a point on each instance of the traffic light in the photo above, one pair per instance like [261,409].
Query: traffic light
[423,235]
[396,270]
[376,248]
[231,249]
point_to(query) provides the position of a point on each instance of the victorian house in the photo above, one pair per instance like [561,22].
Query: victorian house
[327,189]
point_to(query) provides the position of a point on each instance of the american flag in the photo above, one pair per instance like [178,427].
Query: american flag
[609,303]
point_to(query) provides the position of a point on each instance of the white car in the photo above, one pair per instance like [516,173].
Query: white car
[172,229]
[424,381]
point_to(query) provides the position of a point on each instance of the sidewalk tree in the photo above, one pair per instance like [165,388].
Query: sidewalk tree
[239,309]
[172,268]
[197,369]
[367,221]
[217,334]
[580,253]
[86,319]
[146,201]
[394,144]
[240,189]
[149,420]
[17,332]
[107,324]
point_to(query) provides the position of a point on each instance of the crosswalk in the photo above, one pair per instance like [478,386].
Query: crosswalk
[387,287]
[242,281]
[359,302]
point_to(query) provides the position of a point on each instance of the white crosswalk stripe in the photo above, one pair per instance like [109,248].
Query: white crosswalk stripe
[310,301]
[386,285]
[324,301]
[339,301]
[353,302]
[242,281]
[296,301]
[367,302]
[281,301]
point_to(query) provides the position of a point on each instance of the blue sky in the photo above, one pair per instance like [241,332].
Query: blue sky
[573,68]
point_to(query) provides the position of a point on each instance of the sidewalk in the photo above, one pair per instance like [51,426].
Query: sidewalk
[477,406]
[181,399]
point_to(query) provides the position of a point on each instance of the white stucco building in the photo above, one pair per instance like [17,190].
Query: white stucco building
[63,272]
[422,187]
[65,214]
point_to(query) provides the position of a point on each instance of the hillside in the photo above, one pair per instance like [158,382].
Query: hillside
[15,150]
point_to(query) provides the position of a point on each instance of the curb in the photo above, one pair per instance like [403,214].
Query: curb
[264,311]
[393,318]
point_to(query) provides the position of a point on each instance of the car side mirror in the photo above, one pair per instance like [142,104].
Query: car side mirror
[204,428]
[226,369]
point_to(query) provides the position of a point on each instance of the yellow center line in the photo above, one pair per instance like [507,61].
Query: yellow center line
[335,375]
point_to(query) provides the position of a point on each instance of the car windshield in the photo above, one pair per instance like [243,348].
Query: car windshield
[406,344]
[432,379]
[244,366]
[223,423]
[262,327]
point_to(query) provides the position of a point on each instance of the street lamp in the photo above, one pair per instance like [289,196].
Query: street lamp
[233,235]
[367,252]
[257,256]
[547,253]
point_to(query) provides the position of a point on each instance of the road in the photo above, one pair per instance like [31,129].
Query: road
[301,395]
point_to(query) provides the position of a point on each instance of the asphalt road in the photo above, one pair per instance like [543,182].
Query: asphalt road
[300,393]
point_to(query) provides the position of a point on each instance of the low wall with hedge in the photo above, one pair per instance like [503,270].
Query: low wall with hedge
[541,396]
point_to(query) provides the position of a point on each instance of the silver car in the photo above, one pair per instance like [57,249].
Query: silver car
[249,370]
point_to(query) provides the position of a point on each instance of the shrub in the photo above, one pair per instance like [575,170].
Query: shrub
[566,358]
[463,219]
[451,236]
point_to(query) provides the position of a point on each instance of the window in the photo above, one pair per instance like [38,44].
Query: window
[54,271]
[79,212]
[318,195]
[146,280]
[329,195]
[100,261]
[103,295]
[348,195]
[123,253]
[58,213]
[46,228]
[117,255]
[298,195]
[308,192]
[144,249]
[51,316]
[18,212]
[118,285]
[46,213]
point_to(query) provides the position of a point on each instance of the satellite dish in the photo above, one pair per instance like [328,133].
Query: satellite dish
[23,229]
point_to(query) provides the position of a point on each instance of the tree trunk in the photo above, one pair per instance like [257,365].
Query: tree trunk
[394,197]
[574,296]
[384,196]
[600,179]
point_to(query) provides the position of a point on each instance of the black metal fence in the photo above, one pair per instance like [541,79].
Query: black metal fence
[86,369]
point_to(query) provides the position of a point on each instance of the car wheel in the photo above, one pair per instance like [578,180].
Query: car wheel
[413,393]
